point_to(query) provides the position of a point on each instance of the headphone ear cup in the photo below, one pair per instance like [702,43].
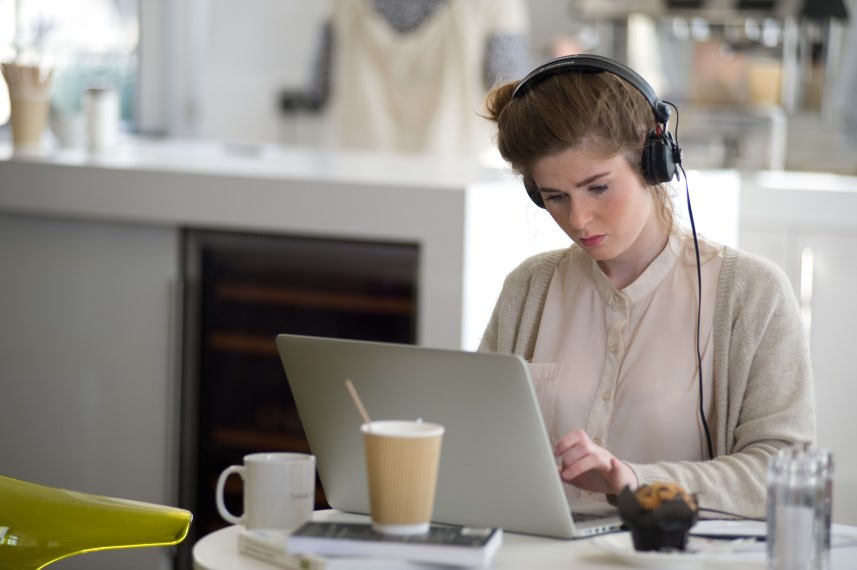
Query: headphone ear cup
[533,192]
[658,158]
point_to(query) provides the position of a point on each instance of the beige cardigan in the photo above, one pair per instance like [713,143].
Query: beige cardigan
[763,392]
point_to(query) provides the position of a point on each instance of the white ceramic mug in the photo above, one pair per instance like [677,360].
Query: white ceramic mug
[279,490]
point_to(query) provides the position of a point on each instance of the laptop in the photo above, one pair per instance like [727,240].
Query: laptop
[497,466]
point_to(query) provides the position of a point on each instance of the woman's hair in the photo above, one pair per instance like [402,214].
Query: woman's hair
[566,110]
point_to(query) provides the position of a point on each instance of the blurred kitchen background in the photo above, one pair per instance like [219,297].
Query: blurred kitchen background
[760,84]
[159,272]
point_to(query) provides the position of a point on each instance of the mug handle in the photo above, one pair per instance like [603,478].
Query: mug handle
[218,495]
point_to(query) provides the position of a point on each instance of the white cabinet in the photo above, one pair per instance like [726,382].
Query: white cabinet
[811,232]
[88,346]
[833,308]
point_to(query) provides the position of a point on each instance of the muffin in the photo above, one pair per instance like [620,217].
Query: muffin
[659,515]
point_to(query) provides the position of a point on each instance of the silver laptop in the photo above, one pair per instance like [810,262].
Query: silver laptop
[497,467]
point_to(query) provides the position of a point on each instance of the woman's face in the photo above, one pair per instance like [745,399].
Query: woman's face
[601,204]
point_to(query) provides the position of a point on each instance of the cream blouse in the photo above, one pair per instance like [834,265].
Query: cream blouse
[622,365]
[420,91]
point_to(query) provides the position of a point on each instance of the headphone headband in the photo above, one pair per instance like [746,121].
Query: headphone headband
[593,64]
[660,153]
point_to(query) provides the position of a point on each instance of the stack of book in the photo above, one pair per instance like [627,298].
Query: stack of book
[336,545]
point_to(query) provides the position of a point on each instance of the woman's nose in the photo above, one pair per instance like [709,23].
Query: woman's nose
[580,214]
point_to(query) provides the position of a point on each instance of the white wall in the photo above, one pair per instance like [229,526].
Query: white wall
[252,50]
[214,68]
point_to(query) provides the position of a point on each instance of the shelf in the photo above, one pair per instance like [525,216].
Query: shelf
[257,440]
[243,343]
[329,300]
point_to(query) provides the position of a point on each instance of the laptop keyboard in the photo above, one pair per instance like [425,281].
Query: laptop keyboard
[585,517]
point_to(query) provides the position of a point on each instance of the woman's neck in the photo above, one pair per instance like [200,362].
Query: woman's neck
[625,268]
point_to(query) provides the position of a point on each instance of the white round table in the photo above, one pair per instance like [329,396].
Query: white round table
[219,551]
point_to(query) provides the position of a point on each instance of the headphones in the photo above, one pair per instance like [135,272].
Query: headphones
[661,154]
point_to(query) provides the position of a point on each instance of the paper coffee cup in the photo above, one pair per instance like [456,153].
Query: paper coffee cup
[402,459]
[29,118]
[29,104]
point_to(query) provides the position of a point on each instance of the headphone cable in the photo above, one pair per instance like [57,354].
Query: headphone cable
[728,514]
[699,292]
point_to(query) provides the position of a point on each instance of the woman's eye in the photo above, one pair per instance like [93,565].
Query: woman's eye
[598,189]
[553,197]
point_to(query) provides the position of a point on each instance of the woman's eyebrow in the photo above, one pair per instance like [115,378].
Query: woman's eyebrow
[585,182]
[591,179]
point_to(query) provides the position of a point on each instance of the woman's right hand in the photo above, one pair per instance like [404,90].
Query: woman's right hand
[590,467]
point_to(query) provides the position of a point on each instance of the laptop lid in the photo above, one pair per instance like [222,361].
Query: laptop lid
[496,468]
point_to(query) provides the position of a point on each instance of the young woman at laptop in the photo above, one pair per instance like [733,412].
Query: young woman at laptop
[656,354]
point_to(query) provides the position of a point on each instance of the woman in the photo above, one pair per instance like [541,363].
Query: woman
[609,324]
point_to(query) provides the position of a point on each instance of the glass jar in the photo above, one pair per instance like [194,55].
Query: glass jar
[800,491]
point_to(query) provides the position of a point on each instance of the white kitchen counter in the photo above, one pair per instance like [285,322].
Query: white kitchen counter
[442,206]
[254,188]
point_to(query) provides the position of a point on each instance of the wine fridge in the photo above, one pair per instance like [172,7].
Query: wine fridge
[240,291]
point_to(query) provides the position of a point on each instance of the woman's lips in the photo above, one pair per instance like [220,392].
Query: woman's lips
[593,241]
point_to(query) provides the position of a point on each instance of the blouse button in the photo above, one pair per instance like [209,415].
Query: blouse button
[613,348]
[596,440]
[606,396]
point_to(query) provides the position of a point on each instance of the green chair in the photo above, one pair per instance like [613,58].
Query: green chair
[40,525]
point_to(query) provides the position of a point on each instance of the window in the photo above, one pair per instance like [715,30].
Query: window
[85,42]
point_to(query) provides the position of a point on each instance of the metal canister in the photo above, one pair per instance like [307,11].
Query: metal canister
[799,509]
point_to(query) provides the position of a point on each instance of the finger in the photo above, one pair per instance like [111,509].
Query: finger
[580,450]
[569,440]
[587,463]
[589,455]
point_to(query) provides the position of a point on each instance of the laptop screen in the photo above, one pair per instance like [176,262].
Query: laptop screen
[496,468]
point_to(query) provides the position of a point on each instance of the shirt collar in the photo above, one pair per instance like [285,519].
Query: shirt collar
[645,284]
